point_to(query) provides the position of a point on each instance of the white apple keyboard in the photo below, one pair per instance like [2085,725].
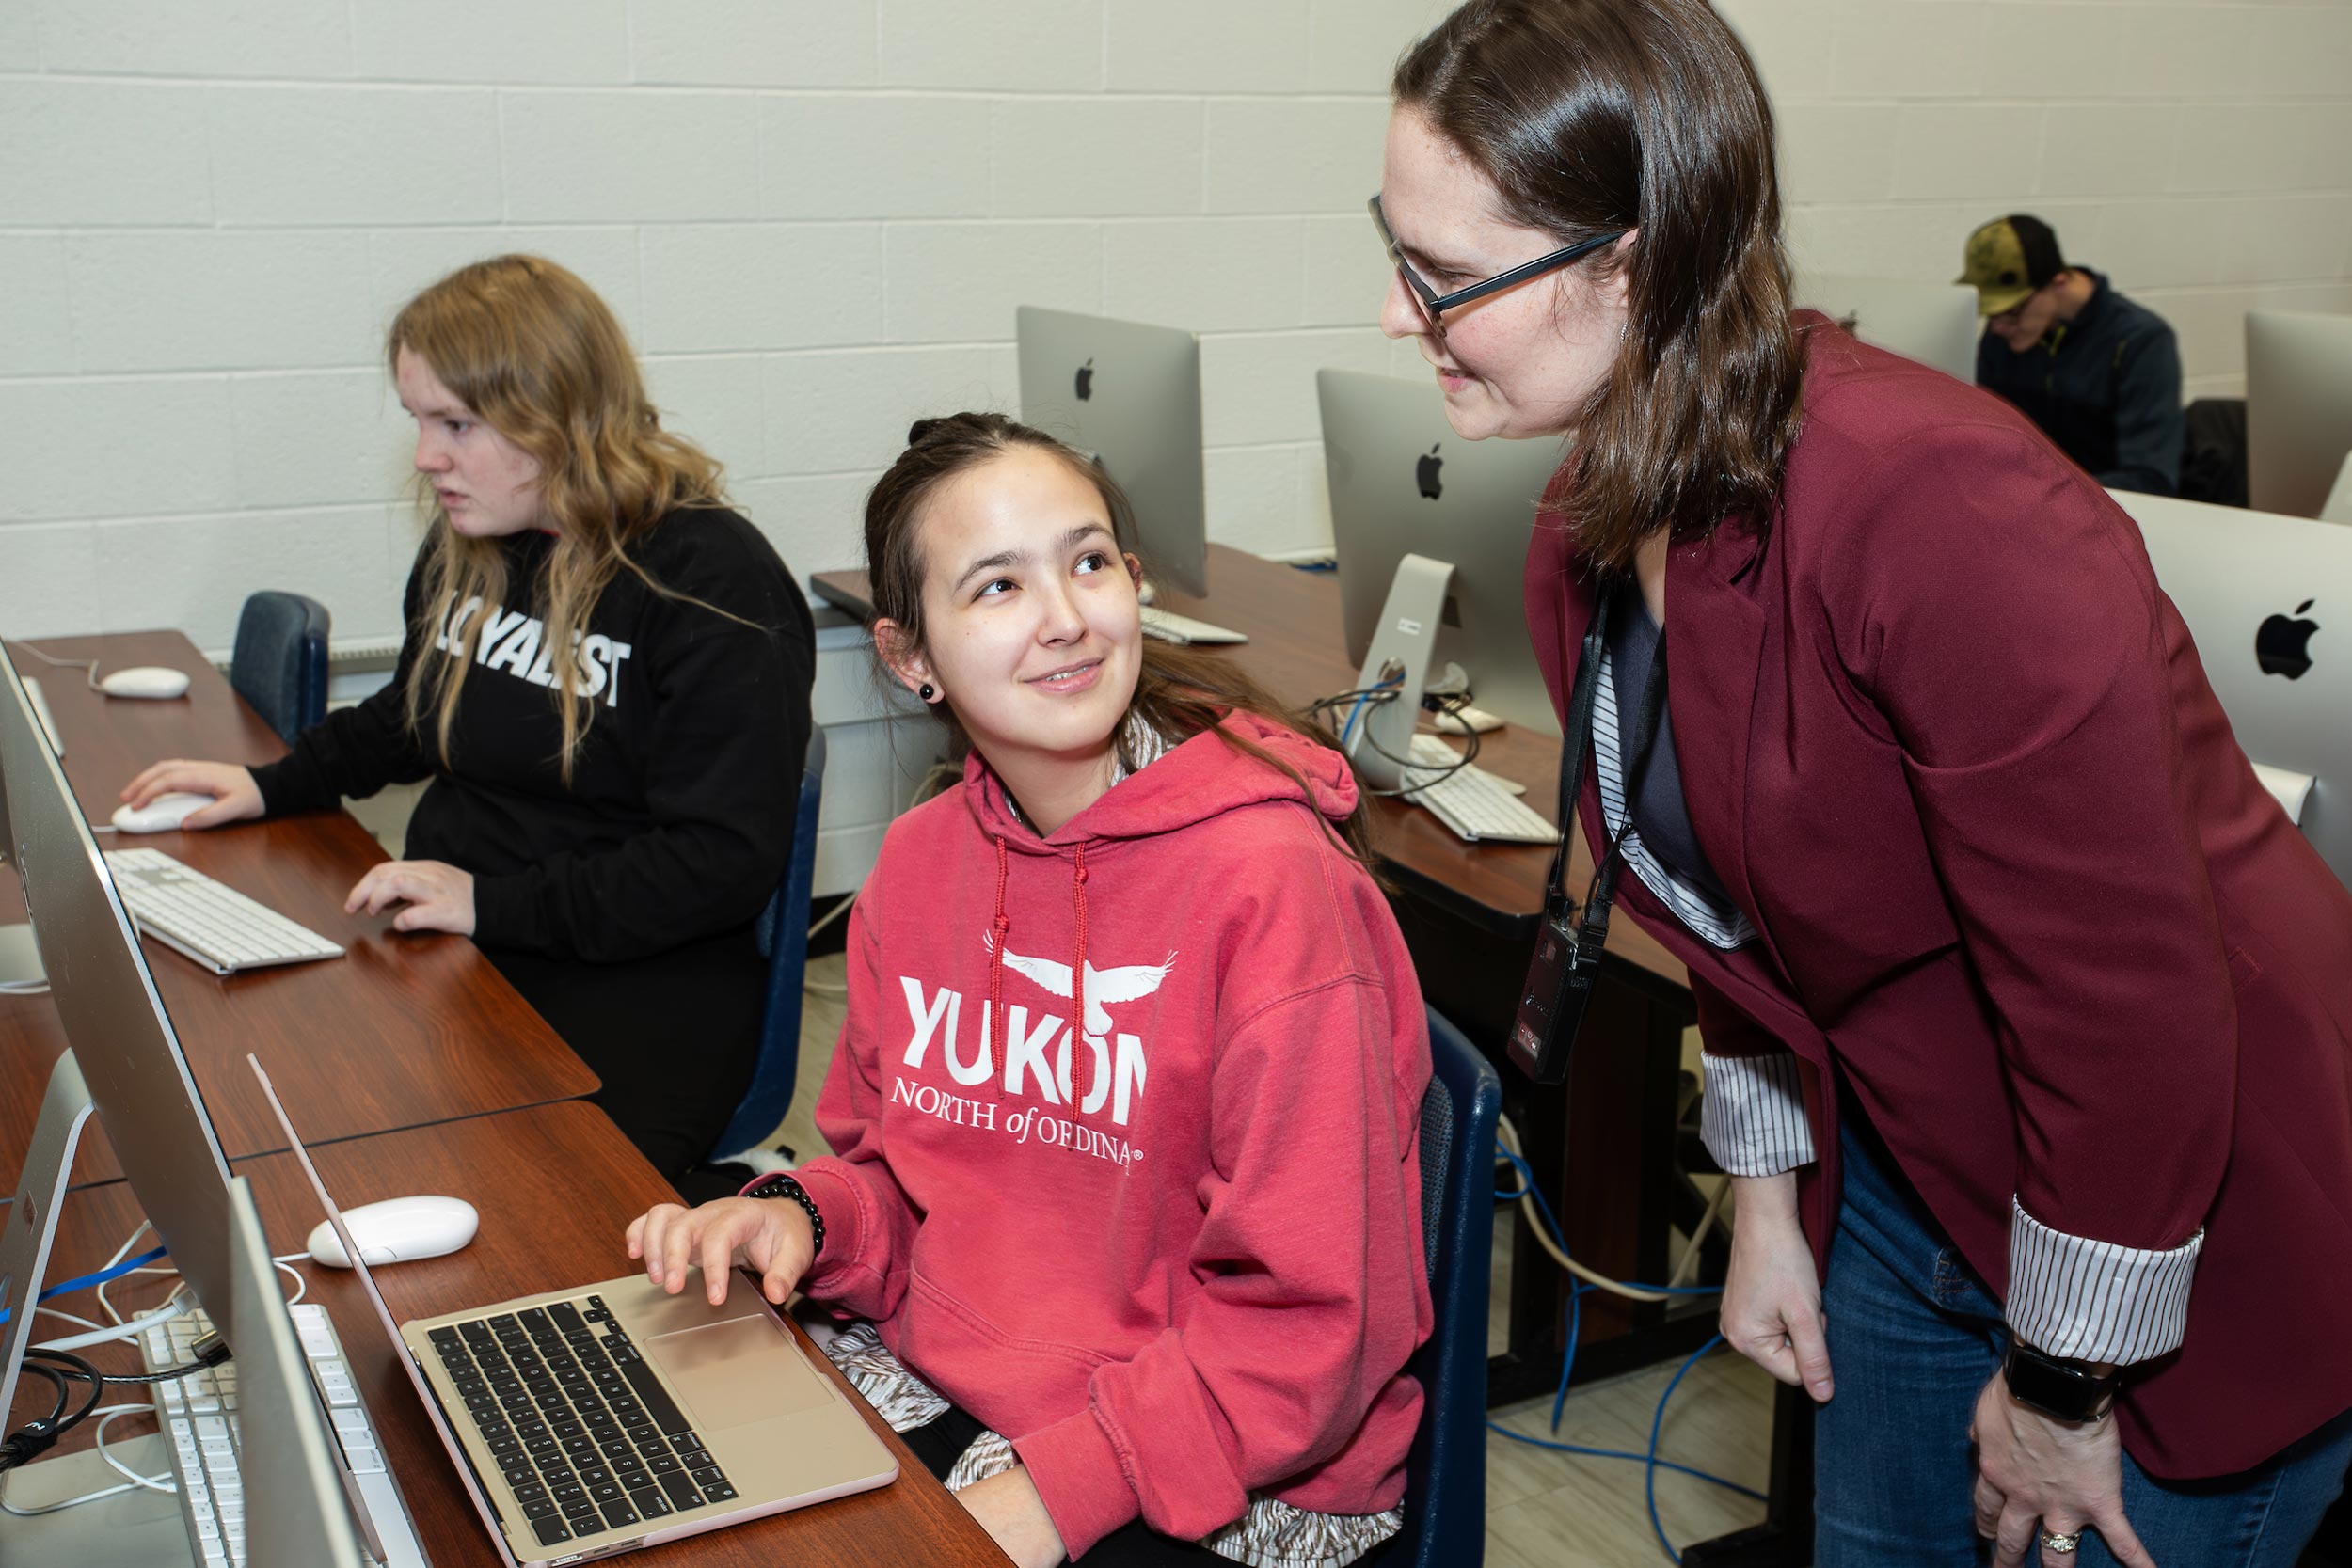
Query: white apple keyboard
[217,927]
[1477,805]
[41,711]
[200,1419]
[1168,626]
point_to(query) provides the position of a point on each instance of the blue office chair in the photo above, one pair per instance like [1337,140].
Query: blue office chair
[784,941]
[279,664]
[1445,1473]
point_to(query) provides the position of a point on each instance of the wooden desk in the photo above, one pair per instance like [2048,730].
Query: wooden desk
[556,1184]
[400,1031]
[1602,1145]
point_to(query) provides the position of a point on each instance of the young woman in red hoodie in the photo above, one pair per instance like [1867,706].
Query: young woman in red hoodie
[1126,1206]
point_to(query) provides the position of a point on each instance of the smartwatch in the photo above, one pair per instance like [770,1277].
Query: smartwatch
[782,1185]
[2058,1387]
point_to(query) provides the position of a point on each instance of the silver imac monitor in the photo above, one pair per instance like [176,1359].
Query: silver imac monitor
[1935,324]
[297,1509]
[121,1037]
[2269,601]
[2299,408]
[126,1059]
[1403,484]
[1129,394]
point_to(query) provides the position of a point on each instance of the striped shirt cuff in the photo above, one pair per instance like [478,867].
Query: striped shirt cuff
[2095,1301]
[1753,1117]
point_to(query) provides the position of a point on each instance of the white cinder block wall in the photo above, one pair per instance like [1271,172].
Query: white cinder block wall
[816,215]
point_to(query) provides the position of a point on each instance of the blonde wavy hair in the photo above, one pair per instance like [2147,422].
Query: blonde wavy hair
[535,354]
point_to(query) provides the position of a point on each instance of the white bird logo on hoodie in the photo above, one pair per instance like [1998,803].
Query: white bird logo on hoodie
[1128,984]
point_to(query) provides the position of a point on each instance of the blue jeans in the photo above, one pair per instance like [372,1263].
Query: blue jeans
[1914,1337]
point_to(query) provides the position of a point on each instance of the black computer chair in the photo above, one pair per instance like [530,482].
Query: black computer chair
[279,664]
[1445,1473]
[784,940]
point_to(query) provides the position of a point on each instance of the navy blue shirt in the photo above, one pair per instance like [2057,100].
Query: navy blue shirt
[2106,386]
[1659,811]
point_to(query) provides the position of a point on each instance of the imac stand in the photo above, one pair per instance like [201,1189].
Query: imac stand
[1379,737]
[137,1527]
[20,959]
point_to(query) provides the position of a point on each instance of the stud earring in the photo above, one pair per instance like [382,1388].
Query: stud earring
[926,693]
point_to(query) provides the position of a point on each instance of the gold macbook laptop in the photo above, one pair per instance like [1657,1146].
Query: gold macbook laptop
[591,1421]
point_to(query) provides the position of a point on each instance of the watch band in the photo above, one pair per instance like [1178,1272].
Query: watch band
[2059,1387]
[782,1185]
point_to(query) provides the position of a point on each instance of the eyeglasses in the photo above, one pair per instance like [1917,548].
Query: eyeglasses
[1433,304]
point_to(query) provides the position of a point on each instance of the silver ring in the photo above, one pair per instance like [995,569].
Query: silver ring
[2062,1543]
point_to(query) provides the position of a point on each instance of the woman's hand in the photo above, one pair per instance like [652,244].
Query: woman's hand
[1009,1508]
[235,796]
[439,897]
[760,1233]
[1772,1310]
[2035,1473]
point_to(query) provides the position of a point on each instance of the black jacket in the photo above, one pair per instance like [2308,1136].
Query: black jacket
[679,817]
[2106,386]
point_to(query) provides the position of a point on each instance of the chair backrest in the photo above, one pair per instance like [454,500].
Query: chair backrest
[783,938]
[279,664]
[1445,1474]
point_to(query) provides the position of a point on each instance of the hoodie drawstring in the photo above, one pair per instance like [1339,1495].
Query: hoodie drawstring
[1003,923]
[1078,969]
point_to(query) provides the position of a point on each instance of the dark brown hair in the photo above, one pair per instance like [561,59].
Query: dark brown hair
[1590,116]
[1180,692]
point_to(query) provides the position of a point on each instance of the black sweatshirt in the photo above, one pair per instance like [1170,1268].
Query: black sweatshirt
[2106,386]
[679,817]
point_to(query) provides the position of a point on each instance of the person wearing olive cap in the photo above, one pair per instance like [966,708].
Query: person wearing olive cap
[2100,375]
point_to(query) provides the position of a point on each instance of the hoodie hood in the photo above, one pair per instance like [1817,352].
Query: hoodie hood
[1191,783]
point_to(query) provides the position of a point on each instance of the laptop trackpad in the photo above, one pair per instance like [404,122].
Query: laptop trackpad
[728,1374]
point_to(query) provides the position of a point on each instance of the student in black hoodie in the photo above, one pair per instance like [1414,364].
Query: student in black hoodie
[606,677]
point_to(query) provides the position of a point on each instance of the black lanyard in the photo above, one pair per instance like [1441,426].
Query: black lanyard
[1575,741]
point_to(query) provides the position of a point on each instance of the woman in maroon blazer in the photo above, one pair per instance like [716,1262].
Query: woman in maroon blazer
[2027,1013]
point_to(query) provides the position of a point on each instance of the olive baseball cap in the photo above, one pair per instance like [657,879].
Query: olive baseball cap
[2007,260]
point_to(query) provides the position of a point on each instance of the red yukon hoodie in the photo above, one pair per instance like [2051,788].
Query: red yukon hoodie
[1174,1255]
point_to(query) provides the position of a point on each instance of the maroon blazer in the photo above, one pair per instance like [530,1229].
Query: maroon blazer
[1951,748]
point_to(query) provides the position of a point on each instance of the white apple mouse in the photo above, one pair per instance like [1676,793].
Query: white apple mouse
[145,680]
[161,815]
[398,1230]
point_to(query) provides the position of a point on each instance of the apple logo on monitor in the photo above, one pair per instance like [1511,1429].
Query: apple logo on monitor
[1084,383]
[2282,645]
[1426,472]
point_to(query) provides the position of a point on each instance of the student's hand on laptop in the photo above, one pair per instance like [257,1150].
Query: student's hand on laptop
[235,796]
[774,1237]
[439,897]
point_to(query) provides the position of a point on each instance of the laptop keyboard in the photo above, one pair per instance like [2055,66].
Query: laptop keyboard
[586,1434]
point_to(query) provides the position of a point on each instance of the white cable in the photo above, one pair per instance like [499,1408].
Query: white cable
[53,1312]
[24,988]
[1508,1136]
[174,1306]
[87,664]
[110,1305]
[1698,1237]
[120,1253]
[154,1483]
[137,1482]
[285,1265]
[835,913]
